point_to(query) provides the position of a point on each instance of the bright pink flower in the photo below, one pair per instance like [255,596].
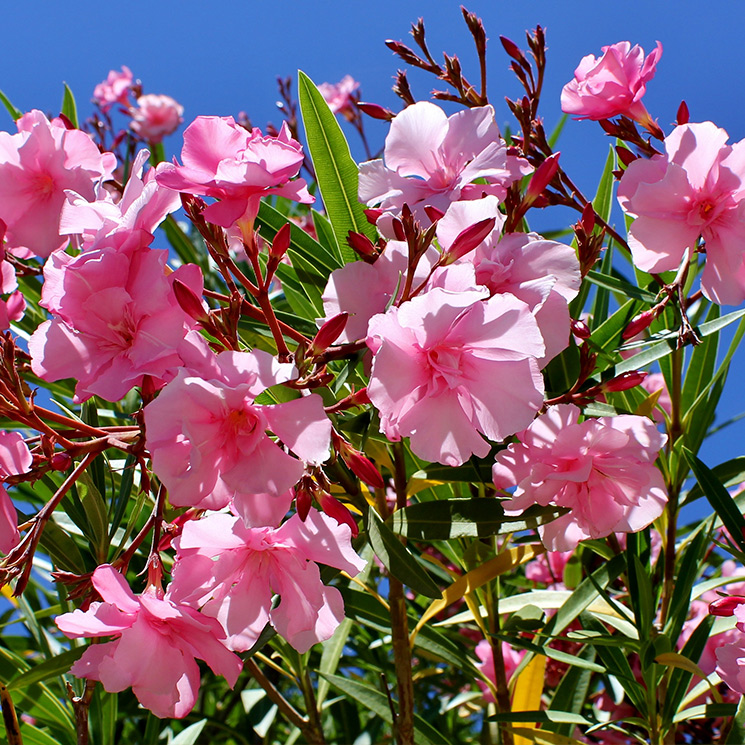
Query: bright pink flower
[209,441]
[155,117]
[612,85]
[223,160]
[12,309]
[37,165]
[601,469]
[116,318]
[548,568]
[448,365]
[15,458]
[143,205]
[543,274]
[432,159]
[695,189]
[155,647]
[381,280]
[115,89]
[339,95]
[512,658]
[231,572]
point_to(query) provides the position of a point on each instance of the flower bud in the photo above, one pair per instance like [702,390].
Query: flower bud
[542,178]
[398,229]
[467,240]
[328,334]
[580,329]
[303,499]
[361,244]
[189,301]
[373,215]
[60,462]
[512,49]
[433,213]
[364,469]
[623,382]
[625,155]
[638,324]
[281,242]
[725,606]
[683,115]
[376,111]
[334,508]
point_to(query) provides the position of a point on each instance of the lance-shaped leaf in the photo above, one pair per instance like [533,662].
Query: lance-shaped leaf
[336,172]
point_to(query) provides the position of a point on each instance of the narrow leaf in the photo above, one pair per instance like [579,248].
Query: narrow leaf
[69,107]
[48,669]
[15,113]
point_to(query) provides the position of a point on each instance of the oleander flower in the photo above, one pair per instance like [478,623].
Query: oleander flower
[37,166]
[156,645]
[339,95]
[694,190]
[115,89]
[156,116]
[450,365]
[15,458]
[433,159]
[231,572]
[612,85]
[601,469]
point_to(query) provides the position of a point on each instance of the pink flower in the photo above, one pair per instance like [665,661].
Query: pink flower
[37,165]
[695,189]
[448,365]
[653,383]
[155,649]
[143,205]
[116,319]
[15,458]
[601,469]
[223,160]
[381,280]
[339,95]
[115,89]
[613,85]
[232,572]
[155,117]
[512,658]
[543,274]
[209,442]
[548,569]
[432,159]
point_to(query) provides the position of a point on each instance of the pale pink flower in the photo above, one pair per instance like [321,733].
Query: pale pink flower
[232,571]
[116,319]
[695,189]
[155,647]
[223,160]
[12,309]
[339,95]
[512,658]
[15,458]
[612,85]
[209,442]
[543,274]
[383,283]
[432,159]
[155,117]
[601,469]
[143,205]
[450,365]
[115,89]
[37,165]
[548,568]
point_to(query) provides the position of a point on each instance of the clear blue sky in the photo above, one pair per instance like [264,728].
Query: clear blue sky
[224,57]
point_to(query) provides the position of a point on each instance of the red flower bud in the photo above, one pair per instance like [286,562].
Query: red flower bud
[512,49]
[328,334]
[334,508]
[725,606]
[361,244]
[189,301]
[683,114]
[60,462]
[542,178]
[468,239]
[433,213]
[580,329]
[625,155]
[303,499]
[375,111]
[372,215]
[281,242]
[398,229]
[363,468]
[624,381]
[638,324]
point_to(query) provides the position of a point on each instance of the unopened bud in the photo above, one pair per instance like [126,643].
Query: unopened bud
[638,324]
[281,242]
[625,155]
[624,381]
[361,244]
[726,606]
[60,462]
[588,218]
[364,469]
[580,329]
[433,213]
[334,508]
[328,334]
[189,301]
[376,111]
[542,178]
[372,215]
[683,114]
[303,500]
[398,229]
[512,49]
[467,240]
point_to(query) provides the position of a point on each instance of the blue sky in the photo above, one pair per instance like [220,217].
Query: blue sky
[224,57]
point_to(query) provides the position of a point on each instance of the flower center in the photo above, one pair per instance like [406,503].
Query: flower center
[445,365]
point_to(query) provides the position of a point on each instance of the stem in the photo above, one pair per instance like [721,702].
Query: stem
[402,662]
[288,710]
[314,733]
[81,706]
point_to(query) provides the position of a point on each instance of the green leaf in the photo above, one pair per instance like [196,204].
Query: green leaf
[554,136]
[336,172]
[377,702]
[571,692]
[190,735]
[325,233]
[729,473]
[640,593]
[616,284]
[552,715]
[462,518]
[15,113]
[719,498]
[397,558]
[96,514]
[33,736]
[69,107]
[737,733]
[603,201]
[48,669]
[473,470]
[600,306]
[62,550]
[700,372]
